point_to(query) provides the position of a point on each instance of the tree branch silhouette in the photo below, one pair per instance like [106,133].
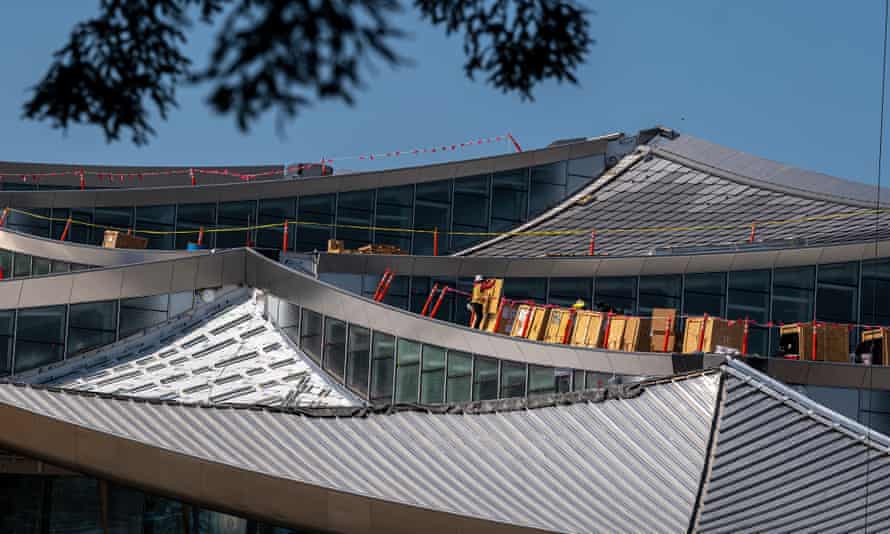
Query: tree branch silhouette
[281,56]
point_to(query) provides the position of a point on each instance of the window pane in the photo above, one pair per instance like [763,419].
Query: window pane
[21,265]
[91,325]
[526,289]
[432,386]
[566,291]
[512,380]
[310,334]
[359,359]
[471,198]
[143,312]
[875,292]
[485,379]
[577,380]
[194,217]
[395,206]
[235,215]
[460,367]
[276,211]
[837,292]
[40,266]
[510,203]
[383,355]
[793,294]
[407,371]
[541,380]
[659,292]
[703,293]
[432,211]
[40,337]
[316,217]
[355,208]
[289,320]
[616,293]
[748,296]
[548,186]
[158,218]
[7,318]
[335,347]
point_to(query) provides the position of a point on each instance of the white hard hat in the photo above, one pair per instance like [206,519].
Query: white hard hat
[478,278]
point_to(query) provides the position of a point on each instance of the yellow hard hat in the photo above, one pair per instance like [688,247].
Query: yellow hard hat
[579,304]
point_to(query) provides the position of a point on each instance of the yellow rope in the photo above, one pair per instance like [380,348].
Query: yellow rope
[556,232]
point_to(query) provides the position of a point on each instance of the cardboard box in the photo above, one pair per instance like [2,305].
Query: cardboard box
[712,334]
[335,246]
[629,334]
[664,323]
[559,325]
[588,328]
[116,239]
[537,328]
[520,318]
[377,249]
[832,341]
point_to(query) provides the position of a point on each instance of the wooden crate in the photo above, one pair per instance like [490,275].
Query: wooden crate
[559,325]
[713,334]
[116,239]
[540,316]
[522,315]
[832,341]
[664,323]
[588,328]
[335,246]
[880,337]
[379,249]
[629,334]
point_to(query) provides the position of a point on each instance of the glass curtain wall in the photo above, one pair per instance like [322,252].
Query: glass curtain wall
[471,201]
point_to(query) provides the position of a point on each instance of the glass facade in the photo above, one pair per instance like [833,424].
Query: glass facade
[34,337]
[81,505]
[485,203]
[850,293]
[20,265]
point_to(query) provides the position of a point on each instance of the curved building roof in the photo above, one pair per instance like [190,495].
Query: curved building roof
[714,452]
[679,194]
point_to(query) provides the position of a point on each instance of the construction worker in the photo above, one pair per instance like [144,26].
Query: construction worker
[579,305]
[479,299]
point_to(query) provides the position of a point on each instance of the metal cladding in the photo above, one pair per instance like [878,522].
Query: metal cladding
[663,200]
[621,465]
[783,463]
[721,451]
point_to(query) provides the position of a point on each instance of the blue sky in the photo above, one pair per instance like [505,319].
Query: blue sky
[794,81]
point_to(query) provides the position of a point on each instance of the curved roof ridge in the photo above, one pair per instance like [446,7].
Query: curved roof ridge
[623,164]
[805,405]
[742,167]
[595,395]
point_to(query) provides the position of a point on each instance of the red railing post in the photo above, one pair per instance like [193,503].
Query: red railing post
[592,250]
[745,337]
[606,332]
[435,241]
[380,283]
[83,180]
[528,320]
[667,333]
[192,174]
[442,294]
[4,216]
[701,333]
[813,348]
[753,232]
[284,237]
[66,229]
[568,334]
[385,288]
[429,299]
[200,236]
[497,319]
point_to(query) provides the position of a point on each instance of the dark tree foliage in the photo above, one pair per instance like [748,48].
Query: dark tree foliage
[281,55]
